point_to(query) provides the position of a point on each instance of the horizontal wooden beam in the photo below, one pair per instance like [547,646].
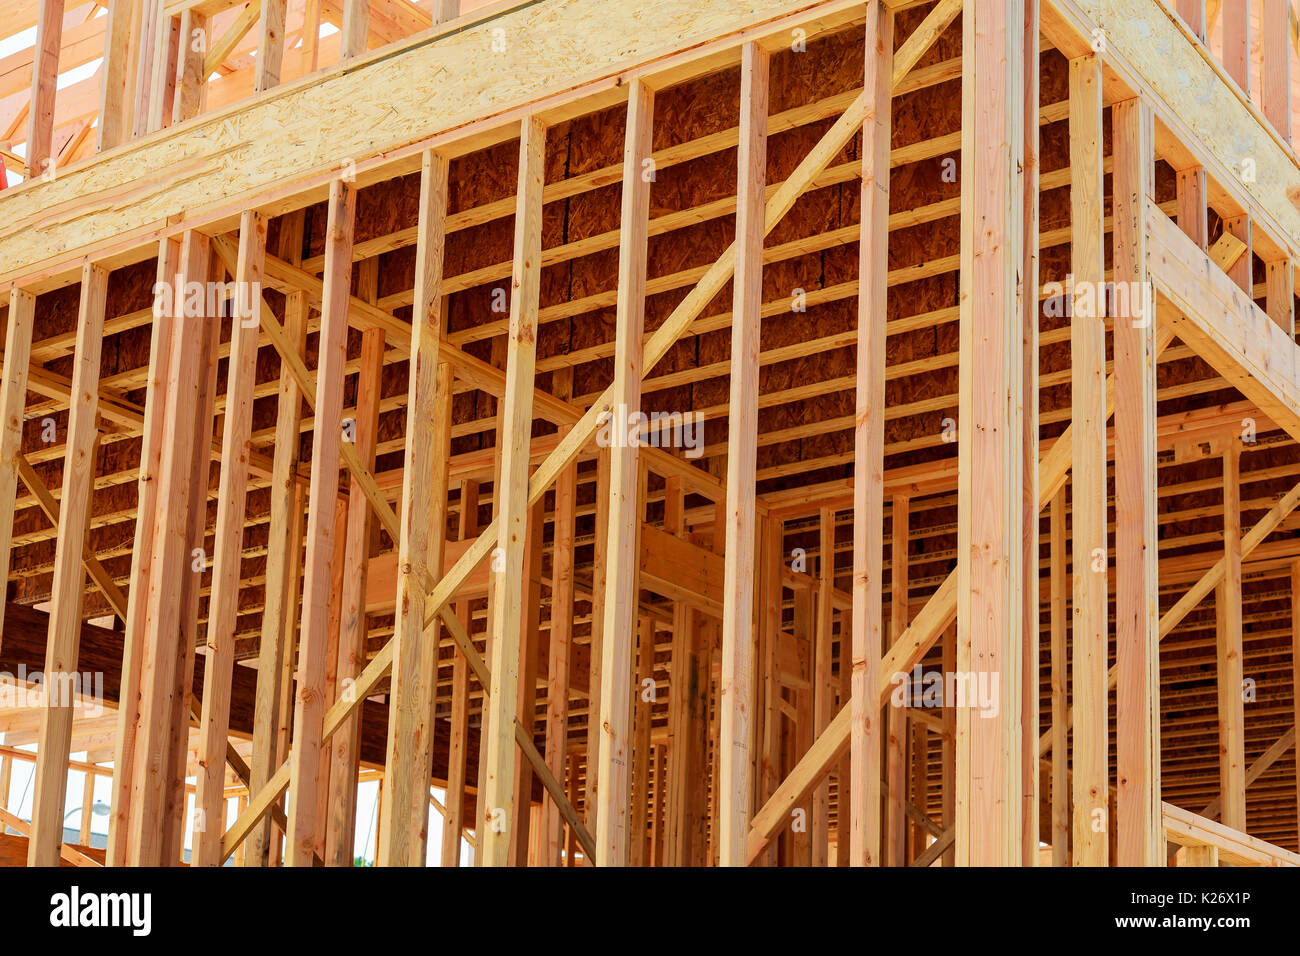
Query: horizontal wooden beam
[1190,829]
[1220,322]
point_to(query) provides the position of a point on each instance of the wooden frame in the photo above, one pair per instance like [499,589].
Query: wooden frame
[622,547]
[989,610]
[1088,479]
[727,589]
[309,707]
[736,692]
[868,494]
[512,500]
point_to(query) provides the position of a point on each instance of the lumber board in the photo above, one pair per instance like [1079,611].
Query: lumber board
[1137,630]
[613,819]
[309,698]
[737,690]
[13,397]
[148,472]
[51,778]
[510,535]
[232,493]
[1088,396]
[419,543]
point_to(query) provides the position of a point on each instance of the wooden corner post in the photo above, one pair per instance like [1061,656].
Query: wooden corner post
[1140,826]
[990,464]
[1091,764]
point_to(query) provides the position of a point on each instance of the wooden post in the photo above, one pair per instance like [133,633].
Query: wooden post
[115,95]
[949,781]
[1088,425]
[128,716]
[172,564]
[706,699]
[843,775]
[737,689]
[920,758]
[524,848]
[422,540]
[68,586]
[823,680]
[1198,856]
[183,706]
[1137,606]
[1242,271]
[270,48]
[148,31]
[358,540]
[280,608]
[800,736]
[1193,13]
[1236,43]
[13,403]
[990,616]
[309,703]
[638,823]
[162,76]
[689,666]
[516,413]
[223,603]
[286,674]
[325,824]
[311,24]
[1232,731]
[1295,670]
[1031,665]
[1190,197]
[770,717]
[1060,687]
[863,808]
[660,770]
[1275,71]
[356,29]
[594,680]
[1280,294]
[45,75]
[458,749]
[612,825]
[559,651]
[191,80]
[87,802]
[895,853]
